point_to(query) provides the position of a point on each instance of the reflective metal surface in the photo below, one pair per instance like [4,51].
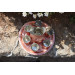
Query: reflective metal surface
[27,39]
[46,43]
[35,47]
[29,28]
[50,32]
[38,23]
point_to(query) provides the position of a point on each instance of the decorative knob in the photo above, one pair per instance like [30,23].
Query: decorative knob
[38,23]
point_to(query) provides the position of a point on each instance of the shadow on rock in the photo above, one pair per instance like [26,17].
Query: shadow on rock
[40,59]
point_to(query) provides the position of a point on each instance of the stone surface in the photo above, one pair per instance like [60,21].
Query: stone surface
[9,45]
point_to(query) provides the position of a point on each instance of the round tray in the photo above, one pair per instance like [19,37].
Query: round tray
[27,47]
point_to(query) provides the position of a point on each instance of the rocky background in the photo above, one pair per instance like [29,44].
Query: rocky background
[63,49]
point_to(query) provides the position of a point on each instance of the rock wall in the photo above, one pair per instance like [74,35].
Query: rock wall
[9,28]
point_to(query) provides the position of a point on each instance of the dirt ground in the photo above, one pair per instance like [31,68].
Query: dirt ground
[63,25]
